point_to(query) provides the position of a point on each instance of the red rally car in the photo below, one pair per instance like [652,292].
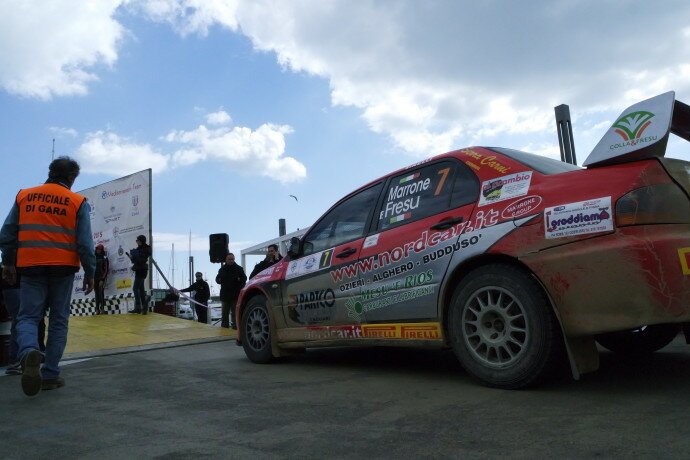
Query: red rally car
[517,262]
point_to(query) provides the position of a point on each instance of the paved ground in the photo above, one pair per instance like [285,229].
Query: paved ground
[208,400]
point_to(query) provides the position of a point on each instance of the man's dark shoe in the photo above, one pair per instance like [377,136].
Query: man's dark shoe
[31,373]
[14,369]
[233,326]
[136,312]
[52,384]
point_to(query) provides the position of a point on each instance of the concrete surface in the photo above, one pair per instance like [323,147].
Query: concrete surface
[209,401]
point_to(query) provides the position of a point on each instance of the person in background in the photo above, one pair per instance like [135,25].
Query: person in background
[140,264]
[102,268]
[272,257]
[231,278]
[202,292]
[45,237]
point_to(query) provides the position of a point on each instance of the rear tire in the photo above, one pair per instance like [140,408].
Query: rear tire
[503,329]
[643,340]
[256,331]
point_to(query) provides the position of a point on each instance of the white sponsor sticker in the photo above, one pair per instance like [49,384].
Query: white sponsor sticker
[371,240]
[590,216]
[505,188]
[309,264]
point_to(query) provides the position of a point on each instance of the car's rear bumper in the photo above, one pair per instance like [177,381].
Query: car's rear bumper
[638,275]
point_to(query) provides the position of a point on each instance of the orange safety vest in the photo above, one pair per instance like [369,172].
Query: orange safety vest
[48,226]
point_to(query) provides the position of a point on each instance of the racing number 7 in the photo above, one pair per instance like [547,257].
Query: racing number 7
[444,174]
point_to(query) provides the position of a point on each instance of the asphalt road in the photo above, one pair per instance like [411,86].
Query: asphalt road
[209,401]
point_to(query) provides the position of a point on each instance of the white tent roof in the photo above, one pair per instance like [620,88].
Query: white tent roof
[283,242]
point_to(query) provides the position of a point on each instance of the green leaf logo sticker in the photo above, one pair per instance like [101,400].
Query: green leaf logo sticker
[632,125]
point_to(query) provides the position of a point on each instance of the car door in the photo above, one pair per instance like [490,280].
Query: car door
[418,227]
[312,290]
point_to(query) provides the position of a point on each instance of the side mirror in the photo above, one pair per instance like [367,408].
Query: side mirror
[294,251]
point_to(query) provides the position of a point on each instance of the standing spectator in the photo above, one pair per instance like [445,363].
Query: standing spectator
[45,237]
[272,257]
[201,294]
[231,278]
[140,264]
[102,268]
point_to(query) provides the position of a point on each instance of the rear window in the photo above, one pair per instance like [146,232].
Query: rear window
[538,163]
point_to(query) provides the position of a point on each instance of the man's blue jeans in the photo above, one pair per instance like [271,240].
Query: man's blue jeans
[38,293]
[11,297]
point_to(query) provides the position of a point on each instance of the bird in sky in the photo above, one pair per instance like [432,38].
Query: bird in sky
[295,198]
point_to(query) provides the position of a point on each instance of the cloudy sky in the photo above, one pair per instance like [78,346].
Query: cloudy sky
[236,105]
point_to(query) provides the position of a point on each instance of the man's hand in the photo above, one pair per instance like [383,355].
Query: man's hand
[88,285]
[9,274]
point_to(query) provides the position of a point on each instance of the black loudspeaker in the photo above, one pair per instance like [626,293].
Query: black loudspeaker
[218,247]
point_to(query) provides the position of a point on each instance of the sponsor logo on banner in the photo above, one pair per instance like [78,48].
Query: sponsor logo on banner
[591,216]
[684,254]
[124,283]
[120,209]
[505,188]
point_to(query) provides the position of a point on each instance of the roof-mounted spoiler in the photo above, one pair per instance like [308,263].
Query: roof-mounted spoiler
[642,130]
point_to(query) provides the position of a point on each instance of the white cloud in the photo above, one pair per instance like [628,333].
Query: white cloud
[54,48]
[438,75]
[188,16]
[429,75]
[63,132]
[255,152]
[259,152]
[108,153]
[221,117]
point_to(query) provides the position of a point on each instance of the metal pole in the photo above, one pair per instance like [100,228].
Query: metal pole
[565,134]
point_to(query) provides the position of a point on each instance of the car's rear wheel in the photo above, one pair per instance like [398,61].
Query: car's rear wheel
[256,331]
[503,329]
[639,341]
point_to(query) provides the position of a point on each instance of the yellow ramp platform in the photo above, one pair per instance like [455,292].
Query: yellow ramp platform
[111,334]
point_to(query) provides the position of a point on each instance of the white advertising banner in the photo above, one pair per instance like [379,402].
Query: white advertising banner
[120,211]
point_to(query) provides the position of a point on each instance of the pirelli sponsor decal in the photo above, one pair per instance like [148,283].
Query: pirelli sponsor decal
[420,331]
[405,331]
[684,254]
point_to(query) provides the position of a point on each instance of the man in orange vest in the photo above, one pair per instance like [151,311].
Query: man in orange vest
[47,234]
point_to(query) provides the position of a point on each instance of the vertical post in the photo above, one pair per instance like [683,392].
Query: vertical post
[191,270]
[281,227]
[564,127]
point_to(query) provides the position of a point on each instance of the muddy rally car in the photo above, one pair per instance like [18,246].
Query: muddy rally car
[517,262]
